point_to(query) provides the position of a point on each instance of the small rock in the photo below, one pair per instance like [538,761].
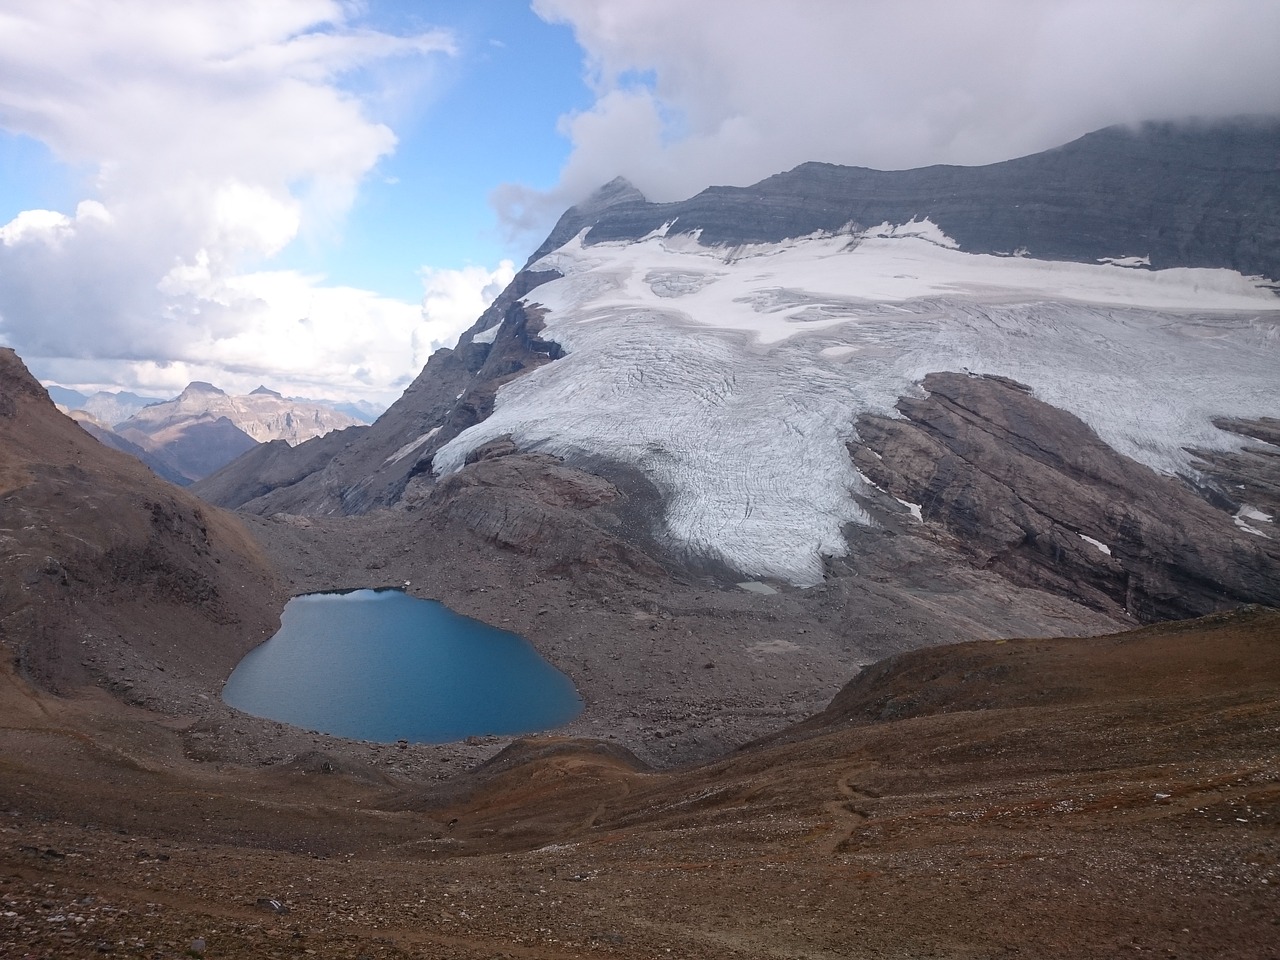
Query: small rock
[197,947]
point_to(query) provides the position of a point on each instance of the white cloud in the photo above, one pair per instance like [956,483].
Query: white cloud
[732,91]
[288,330]
[217,131]
[454,301]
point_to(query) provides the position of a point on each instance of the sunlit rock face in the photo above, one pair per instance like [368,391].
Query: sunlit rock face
[204,428]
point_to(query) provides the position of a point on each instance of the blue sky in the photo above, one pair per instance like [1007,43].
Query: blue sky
[511,67]
[317,194]
[490,117]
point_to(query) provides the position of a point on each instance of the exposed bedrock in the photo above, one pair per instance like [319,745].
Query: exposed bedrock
[1248,478]
[537,505]
[1029,491]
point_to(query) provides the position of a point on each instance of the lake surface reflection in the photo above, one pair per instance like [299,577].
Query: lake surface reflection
[381,665]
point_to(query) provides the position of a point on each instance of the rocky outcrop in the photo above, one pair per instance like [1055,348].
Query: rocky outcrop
[1029,491]
[1247,481]
[537,505]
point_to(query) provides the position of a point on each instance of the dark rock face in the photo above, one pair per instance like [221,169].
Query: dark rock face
[363,468]
[1018,485]
[1249,476]
[1184,195]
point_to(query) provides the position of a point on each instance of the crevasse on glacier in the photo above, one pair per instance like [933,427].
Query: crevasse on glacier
[732,377]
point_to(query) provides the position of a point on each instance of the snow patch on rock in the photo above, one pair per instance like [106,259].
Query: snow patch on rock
[1126,261]
[1096,544]
[1246,518]
[411,446]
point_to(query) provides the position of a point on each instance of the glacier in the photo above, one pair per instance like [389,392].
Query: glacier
[732,377]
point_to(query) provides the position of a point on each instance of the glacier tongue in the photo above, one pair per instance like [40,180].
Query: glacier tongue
[732,378]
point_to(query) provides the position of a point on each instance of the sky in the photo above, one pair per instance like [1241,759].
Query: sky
[315,195]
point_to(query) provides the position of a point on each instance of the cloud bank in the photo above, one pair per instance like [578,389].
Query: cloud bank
[214,134]
[731,91]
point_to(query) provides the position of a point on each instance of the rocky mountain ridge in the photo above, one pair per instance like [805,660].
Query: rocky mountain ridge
[1200,200]
[107,407]
[204,428]
[1179,194]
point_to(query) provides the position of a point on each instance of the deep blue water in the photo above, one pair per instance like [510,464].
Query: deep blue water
[381,665]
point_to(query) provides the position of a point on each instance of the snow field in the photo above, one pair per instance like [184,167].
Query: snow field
[733,378]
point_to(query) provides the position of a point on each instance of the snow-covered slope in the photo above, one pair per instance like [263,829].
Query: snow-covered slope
[733,376]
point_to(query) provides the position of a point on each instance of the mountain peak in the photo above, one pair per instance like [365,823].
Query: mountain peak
[617,190]
[200,386]
[265,391]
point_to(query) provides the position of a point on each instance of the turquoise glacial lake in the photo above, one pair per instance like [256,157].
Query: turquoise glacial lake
[381,665]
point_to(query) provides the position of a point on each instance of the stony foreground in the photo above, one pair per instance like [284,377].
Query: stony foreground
[1067,798]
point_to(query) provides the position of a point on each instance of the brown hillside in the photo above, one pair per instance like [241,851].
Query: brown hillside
[1074,798]
[106,571]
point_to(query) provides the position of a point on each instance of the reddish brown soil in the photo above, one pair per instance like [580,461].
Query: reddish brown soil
[1070,798]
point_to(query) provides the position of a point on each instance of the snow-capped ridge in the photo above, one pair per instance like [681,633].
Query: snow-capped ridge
[732,377]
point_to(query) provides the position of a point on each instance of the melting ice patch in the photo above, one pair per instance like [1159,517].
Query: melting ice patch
[1096,544]
[1248,517]
[411,446]
[733,377]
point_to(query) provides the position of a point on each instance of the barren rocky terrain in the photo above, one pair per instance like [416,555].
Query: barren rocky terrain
[1067,798]
[727,792]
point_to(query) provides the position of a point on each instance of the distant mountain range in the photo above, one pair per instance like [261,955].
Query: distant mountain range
[104,406]
[112,407]
[201,429]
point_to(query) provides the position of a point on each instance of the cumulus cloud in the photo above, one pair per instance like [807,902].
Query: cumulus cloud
[454,301]
[215,132]
[731,91]
[297,335]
